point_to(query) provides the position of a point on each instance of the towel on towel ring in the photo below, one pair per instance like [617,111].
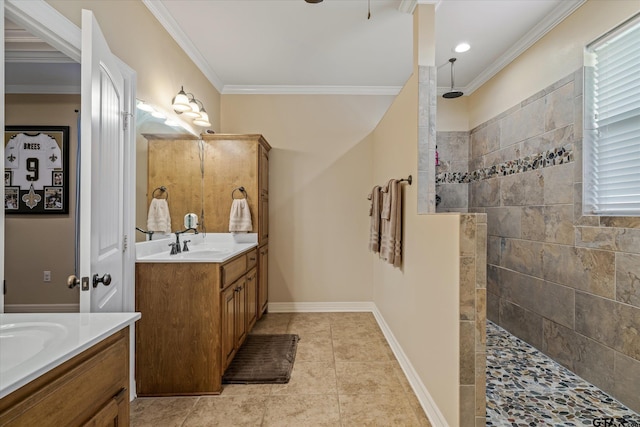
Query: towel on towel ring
[240,216]
[158,218]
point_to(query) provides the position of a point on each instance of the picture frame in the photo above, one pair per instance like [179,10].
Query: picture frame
[36,173]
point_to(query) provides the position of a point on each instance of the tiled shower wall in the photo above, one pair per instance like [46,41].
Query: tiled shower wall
[566,283]
[473,320]
[452,190]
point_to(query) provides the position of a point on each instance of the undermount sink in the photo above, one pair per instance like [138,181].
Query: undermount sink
[203,248]
[206,254]
[31,338]
[203,254]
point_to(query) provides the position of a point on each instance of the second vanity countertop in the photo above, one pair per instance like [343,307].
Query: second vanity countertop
[34,343]
[203,247]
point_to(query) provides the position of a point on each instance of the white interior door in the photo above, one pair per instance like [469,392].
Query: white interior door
[101,174]
[2,153]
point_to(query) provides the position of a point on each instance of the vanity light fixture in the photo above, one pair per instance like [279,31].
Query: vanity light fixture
[180,102]
[194,109]
[187,104]
[203,120]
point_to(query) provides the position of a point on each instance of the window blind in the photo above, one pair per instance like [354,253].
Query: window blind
[611,173]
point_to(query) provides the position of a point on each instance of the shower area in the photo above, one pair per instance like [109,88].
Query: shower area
[563,289]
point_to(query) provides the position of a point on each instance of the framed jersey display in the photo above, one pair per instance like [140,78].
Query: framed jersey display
[36,170]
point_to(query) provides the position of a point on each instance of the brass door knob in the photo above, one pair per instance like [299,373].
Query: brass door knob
[73,281]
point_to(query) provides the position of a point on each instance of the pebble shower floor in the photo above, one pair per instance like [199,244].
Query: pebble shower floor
[527,388]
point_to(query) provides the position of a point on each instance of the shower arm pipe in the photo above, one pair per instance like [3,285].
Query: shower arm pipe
[452,60]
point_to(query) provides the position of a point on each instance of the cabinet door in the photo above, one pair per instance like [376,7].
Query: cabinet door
[263,279]
[252,298]
[228,299]
[241,312]
[113,414]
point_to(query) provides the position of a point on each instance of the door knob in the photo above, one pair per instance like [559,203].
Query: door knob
[73,281]
[105,280]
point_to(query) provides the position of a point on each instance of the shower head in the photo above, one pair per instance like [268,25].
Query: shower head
[452,93]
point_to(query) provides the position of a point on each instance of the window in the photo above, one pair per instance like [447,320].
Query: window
[611,173]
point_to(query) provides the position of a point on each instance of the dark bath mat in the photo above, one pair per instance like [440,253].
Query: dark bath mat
[263,359]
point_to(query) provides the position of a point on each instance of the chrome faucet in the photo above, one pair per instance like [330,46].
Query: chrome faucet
[148,233]
[175,247]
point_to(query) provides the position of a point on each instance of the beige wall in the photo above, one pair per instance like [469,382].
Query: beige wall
[138,39]
[452,114]
[320,175]
[419,301]
[34,243]
[556,55]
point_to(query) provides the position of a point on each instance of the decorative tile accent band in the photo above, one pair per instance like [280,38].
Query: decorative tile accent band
[557,156]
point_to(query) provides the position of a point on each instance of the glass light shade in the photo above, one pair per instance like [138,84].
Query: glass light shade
[194,109]
[203,120]
[181,102]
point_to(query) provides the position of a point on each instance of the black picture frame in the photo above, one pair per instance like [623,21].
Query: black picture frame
[36,170]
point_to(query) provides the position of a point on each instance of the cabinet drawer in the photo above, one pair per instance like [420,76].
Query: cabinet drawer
[252,258]
[232,270]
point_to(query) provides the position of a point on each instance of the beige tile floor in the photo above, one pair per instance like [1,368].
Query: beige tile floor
[345,374]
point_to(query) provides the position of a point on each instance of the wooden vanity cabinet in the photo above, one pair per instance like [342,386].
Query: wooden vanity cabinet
[91,389]
[229,161]
[195,316]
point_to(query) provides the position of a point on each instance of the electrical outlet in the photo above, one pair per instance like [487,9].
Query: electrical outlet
[47,276]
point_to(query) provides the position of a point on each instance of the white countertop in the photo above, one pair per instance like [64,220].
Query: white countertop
[203,247]
[32,344]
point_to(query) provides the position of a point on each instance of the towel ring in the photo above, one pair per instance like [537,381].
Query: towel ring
[162,190]
[241,189]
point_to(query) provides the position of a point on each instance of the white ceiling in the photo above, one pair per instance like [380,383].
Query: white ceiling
[284,46]
[290,46]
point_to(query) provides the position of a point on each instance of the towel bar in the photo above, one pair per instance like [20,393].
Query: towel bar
[409,179]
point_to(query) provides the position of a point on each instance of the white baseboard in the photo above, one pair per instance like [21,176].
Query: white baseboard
[42,308]
[313,307]
[425,399]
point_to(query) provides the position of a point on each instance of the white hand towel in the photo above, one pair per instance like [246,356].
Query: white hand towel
[158,218]
[240,216]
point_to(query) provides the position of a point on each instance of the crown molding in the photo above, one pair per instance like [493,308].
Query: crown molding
[59,31]
[564,9]
[169,23]
[407,6]
[37,57]
[309,90]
